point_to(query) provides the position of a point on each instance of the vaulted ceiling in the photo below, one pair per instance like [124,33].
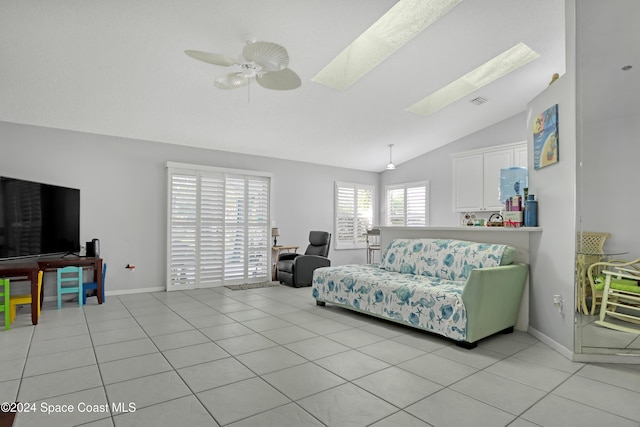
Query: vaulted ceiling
[118,68]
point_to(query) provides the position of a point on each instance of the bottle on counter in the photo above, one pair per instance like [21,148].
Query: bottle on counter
[516,203]
[531,212]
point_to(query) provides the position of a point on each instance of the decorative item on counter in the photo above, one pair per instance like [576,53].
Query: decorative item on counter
[513,215]
[516,203]
[531,212]
[512,219]
[495,220]
[469,219]
[512,181]
[524,202]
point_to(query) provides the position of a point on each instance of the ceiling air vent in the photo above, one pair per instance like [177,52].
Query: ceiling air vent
[478,101]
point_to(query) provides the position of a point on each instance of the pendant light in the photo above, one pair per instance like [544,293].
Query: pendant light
[390,165]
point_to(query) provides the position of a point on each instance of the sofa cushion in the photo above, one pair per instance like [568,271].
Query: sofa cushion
[426,302]
[403,255]
[619,284]
[441,258]
[508,256]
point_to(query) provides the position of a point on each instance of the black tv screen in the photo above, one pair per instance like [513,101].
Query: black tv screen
[38,219]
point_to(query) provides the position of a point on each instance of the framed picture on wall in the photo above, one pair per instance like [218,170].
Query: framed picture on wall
[545,138]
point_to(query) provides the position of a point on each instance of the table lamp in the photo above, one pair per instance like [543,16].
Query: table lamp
[275,232]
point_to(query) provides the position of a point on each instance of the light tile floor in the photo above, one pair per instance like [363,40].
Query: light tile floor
[271,357]
[597,339]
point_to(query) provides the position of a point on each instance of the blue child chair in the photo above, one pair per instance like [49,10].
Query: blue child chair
[94,285]
[73,277]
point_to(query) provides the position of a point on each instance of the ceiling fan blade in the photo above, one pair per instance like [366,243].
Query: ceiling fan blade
[231,81]
[270,56]
[279,80]
[211,58]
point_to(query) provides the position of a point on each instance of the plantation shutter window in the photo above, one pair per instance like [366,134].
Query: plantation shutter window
[408,204]
[354,205]
[182,236]
[211,234]
[218,227]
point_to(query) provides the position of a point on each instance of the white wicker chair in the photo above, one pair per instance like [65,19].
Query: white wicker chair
[590,250]
[621,296]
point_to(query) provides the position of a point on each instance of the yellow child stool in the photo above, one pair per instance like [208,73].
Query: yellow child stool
[25,299]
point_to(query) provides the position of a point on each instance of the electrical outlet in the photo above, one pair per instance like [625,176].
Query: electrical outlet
[558,302]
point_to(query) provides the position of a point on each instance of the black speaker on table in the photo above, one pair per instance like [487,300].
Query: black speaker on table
[93,249]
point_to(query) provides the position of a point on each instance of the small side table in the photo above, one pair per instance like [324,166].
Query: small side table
[277,250]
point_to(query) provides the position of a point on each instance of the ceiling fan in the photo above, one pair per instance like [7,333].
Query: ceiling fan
[266,62]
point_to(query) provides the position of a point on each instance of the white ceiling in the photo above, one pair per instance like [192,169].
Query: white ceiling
[118,68]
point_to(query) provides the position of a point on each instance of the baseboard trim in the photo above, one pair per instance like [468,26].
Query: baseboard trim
[564,351]
[619,358]
[117,292]
[135,291]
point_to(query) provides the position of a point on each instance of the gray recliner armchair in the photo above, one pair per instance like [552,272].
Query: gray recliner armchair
[297,269]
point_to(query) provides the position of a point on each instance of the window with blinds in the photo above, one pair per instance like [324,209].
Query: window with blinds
[408,204]
[218,231]
[354,204]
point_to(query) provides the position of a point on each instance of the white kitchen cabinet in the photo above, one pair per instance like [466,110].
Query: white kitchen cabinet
[468,183]
[476,176]
[520,156]
[493,162]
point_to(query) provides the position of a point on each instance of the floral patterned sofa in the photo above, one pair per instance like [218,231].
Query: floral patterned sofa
[462,290]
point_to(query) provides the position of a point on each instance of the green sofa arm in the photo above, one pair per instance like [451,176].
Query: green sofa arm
[492,299]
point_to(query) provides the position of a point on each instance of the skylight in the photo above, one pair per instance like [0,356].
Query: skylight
[400,24]
[503,64]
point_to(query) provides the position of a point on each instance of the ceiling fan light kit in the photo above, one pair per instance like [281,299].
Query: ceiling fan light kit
[390,165]
[265,62]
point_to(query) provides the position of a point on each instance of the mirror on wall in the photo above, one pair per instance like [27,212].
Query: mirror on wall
[608,128]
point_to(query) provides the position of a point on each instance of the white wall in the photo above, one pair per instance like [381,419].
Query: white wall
[437,167]
[553,250]
[610,181]
[123,193]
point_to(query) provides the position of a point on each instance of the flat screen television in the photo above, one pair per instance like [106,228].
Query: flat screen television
[38,219]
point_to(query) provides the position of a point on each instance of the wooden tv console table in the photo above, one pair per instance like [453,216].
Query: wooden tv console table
[28,270]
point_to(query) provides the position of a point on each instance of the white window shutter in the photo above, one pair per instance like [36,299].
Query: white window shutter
[218,228]
[211,230]
[258,230]
[235,229]
[408,204]
[395,206]
[354,206]
[364,208]
[183,230]
[345,214]
[416,211]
